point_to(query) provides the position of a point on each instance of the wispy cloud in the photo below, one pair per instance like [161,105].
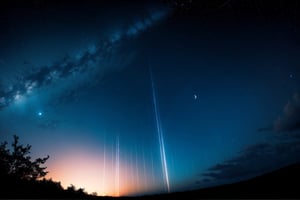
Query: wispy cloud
[290,119]
[254,160]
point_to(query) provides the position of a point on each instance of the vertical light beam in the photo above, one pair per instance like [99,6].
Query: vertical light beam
[104,165]
[152,169]
[137,168]
[117,177]
[160,137]
[144,170]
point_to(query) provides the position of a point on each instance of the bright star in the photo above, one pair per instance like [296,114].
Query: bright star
[195,96]
[40,113]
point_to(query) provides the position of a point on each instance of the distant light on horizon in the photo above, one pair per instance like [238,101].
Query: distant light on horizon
[85,169]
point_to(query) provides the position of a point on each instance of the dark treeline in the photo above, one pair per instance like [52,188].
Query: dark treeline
[23,177]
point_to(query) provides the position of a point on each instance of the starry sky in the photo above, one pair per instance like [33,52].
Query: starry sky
[143,97]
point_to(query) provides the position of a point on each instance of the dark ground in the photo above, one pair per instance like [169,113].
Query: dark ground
[279,184]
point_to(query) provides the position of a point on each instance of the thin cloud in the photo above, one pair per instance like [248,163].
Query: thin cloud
[290,119]
[254,160]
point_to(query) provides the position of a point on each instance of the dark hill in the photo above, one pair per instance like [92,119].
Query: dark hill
[282,183]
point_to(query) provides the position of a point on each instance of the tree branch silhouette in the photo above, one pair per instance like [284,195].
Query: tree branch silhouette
[17,163]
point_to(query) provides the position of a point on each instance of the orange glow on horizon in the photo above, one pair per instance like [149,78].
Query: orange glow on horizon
[97,173]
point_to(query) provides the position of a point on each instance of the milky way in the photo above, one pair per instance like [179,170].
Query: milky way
[221,97]
[90,60]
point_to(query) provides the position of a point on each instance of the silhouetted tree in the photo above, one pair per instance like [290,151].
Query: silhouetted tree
[71,188]
[94,194]
[21,177]
[17,162]
[4,159]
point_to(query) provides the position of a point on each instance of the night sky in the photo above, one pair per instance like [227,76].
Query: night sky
[144,97]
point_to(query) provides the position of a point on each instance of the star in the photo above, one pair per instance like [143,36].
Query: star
[195,96]
[40,113]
